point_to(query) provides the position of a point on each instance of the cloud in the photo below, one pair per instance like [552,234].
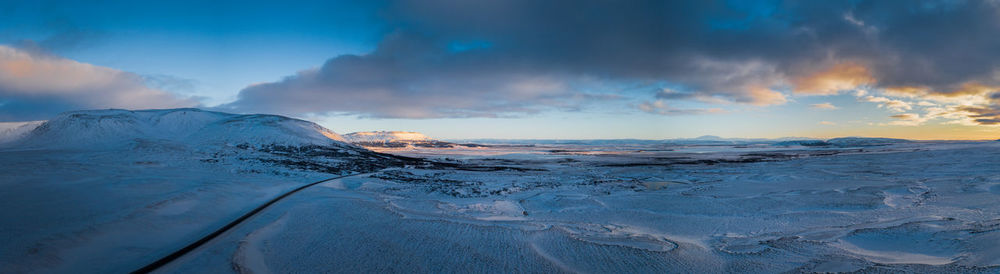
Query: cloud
[908,119]
[407,77]
[660,107]
[752,95]
[967,104]
[832,80]
[35,85]
[969,93]
[747,82]
[824,106]
[887,103]
[827,123]
[412,76]
[988,115]
[451,58]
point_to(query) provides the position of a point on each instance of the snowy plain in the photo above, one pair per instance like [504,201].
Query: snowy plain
[921,207]
[583,207]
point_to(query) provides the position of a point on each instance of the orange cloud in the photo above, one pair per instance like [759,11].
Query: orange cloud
[906,91]
[842,76]
[971,103]
[891,104]
[660,107]
[908,119]
[825,106]
[26,76]
[968,93]
[764,96]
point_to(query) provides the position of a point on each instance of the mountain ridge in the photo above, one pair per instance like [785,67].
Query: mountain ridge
[113,128]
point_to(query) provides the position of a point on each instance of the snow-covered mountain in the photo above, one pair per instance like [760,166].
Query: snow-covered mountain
[106,129]
[251,143]
[394,139]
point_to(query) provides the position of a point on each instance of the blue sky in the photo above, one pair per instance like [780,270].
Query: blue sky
[522,69]
[221,47]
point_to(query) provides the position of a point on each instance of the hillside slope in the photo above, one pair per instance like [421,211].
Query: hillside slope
[250,143]
[13,131]
[106,129]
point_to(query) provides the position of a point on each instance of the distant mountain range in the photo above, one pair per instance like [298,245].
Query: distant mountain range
[707,140]
[394,139]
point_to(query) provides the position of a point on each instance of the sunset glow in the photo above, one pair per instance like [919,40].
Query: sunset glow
[650,70]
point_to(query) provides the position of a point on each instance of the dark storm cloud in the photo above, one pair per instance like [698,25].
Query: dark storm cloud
[450,58]
[414,77]
[939,44]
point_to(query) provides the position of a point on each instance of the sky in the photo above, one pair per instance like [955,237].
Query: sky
[522,69]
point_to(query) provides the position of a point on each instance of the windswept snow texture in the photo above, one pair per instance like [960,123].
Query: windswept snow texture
[137,188]
[913,206]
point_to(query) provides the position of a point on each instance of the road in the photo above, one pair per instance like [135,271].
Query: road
[194,245]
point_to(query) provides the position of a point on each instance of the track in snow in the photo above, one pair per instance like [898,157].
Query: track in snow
[181,252]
